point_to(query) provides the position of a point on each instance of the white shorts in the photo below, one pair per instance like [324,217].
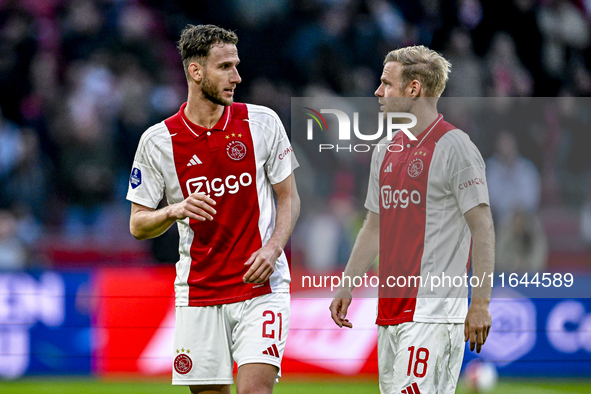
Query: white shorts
[420,358]
[208,339]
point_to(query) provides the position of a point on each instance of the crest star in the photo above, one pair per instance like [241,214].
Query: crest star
[227,136]
[188,351]
[183,349]
[239,135]
[233,135]
[178,351]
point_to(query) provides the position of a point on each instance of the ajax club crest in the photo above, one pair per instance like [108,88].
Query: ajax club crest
[236,150]
[415,167]
[183,363]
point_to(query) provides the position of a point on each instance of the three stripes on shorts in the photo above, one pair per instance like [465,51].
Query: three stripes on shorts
[412,389]
[272,351]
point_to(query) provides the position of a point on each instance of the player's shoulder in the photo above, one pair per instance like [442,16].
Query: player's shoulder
[456,140]
[260,109]
[263,118]
[381,146]
[155,135]
[260,112]
[457,147]
[380,149]
[159,130]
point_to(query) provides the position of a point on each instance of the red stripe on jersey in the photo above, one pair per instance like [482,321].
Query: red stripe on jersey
[415,387]
[403,197]
[227,174]
[275,350]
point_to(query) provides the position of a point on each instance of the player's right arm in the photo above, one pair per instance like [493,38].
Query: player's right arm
[146,222]
[364,253]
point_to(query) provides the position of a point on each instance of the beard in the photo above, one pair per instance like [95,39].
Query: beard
[213,94]
[397,104]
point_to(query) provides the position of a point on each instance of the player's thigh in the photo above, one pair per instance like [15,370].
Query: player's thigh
[256,378]
[424,356]
[202,343]
[387,350]
[261,333]
[449,379]
[210,389]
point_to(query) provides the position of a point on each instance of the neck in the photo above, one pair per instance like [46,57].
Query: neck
[425,116]
[202,111]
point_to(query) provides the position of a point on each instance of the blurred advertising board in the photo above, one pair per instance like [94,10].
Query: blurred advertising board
[113,321]
[45,323]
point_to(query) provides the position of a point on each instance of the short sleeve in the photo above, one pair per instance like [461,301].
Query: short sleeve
[467,174]
[146,183]
[281,161]
[372,201]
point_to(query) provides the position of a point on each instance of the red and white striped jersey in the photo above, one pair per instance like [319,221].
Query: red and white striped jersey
[235,163]
[421,190]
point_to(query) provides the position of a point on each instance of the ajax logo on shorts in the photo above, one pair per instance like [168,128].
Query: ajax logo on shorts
[182,362]
[218,186]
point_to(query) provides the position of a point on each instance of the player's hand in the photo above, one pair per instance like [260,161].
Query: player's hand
[262,264]
[197,206]
[339,306]
[477,325]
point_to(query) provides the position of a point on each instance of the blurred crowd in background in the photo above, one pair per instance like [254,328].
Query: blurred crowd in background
[81,80]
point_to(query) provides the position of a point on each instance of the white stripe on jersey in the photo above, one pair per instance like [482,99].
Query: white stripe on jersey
[264,137]
[441,210]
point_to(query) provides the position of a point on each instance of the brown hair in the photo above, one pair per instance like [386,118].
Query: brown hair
[423,64]
[196,42]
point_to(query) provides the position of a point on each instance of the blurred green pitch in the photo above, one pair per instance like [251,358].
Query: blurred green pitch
[90,386]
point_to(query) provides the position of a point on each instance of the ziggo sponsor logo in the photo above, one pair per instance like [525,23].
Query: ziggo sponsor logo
[218,186]
[391,199]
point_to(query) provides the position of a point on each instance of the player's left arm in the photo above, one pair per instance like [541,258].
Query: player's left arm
[478,320]
[262,262]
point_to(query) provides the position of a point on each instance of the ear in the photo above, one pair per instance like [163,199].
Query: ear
[415,88]
[195,71]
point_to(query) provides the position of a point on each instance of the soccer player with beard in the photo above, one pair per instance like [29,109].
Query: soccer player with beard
[428,213]
[219,164]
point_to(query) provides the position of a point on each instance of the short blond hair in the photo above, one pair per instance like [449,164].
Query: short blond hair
[423,64]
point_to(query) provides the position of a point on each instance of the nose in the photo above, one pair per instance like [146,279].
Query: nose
[379,91]
[235,78]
